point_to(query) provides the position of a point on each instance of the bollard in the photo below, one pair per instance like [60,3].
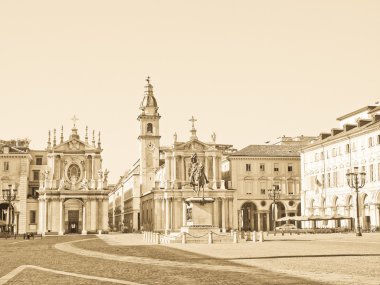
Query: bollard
[254,236]
[235,237]
[261,236]
[158,238]
[282,232]
[245,236]
[143,236]
[183,238]
[210,237]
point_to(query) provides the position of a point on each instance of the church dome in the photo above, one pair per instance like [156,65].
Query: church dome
[149,100]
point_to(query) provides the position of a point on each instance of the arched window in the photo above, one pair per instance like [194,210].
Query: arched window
[149,128]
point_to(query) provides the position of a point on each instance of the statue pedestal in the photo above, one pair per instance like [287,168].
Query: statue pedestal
[199,216]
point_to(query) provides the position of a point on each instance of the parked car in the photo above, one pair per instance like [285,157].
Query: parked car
[286,227]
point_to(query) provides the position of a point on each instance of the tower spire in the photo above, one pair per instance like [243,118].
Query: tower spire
[99,143]
[49,142]
[61,134]
[93,138]
[86,136]
[54,138]
[149,104]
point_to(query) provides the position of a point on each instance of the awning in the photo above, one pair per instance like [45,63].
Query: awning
[293,218]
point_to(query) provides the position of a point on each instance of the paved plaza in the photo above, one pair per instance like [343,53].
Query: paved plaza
[127,259]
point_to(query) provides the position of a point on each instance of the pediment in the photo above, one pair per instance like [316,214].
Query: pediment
[194,145]
[73,145]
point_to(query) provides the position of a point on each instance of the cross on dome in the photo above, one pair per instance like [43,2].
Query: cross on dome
[74,119]
[192,120]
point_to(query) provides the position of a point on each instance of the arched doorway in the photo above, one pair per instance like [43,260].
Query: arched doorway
[279,211]
[350,211]
[366,213]
[3,217]
[73,210]
[249,217]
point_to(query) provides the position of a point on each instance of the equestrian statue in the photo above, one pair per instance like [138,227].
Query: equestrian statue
[197,174]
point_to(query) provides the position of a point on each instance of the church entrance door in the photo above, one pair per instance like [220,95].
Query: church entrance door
[73,221]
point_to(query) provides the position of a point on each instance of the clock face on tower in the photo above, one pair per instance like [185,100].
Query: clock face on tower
[150,146]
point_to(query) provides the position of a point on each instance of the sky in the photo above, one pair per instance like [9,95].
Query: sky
[250,71]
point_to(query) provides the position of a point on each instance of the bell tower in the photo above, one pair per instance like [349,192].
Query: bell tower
[149,139]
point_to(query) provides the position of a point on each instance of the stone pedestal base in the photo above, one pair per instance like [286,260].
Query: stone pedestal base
[84,232]
[201,210]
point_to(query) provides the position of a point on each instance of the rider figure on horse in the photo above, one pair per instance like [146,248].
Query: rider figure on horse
[196,168]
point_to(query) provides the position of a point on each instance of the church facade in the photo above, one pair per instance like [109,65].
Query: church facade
[61,189]
[151,196]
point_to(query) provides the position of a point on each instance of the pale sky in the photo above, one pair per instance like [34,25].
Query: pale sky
[249,70]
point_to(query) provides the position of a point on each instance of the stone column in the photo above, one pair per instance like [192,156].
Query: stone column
[268,222]
[40,216]
[183,174]
[218,165]
[93,172]
[84,231]
[184,212]
[94,215]
[259,227]
[230,215]
[167,171]
[174,178]
[45,216]
[105,215]
[214,185]
[167,215]
[61,231]
[157,214]
[224,215]
[215,221]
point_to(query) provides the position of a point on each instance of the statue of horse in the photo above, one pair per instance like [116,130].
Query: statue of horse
[200,179]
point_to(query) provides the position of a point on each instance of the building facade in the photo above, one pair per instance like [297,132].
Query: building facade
[257,169]
[325,162]
[61,189]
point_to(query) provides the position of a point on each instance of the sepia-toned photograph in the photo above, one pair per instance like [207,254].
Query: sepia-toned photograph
[189,142]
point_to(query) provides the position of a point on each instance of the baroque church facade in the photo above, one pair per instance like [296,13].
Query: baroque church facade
[152,194]
[61,189]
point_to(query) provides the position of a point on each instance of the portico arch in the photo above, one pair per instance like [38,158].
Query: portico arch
[73,212]
[249,217]
[279,213]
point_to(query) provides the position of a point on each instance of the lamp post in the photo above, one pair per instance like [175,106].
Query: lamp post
[9,195]
[355,183]
[274,194]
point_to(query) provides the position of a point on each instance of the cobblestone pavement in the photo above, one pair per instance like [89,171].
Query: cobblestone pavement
[109,264]
[330,258]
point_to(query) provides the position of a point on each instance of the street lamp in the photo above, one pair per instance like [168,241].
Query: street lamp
[274,194]
[355,183]
[9,196]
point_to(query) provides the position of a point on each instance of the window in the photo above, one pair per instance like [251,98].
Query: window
[276,167]
[149,128]
[347,148]
[32,217]
[328,180]
[36,175]
[316,158]
[262,188]
[276,187]
[334,152]
[371,174]
[370,142]
[6,165]
[262,167]
[248,167]
[39,160]
[353,146]
[290,167]
[290,188]
[335,179]
[32,193]
[378,139]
